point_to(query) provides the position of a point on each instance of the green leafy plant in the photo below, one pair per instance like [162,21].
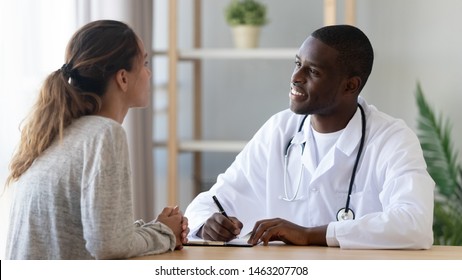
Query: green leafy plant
[246,12]
[435,137]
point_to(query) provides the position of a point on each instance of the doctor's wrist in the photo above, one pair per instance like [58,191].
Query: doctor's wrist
[199,232]
[317,235]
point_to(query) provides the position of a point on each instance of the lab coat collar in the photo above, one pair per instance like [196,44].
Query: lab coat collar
[348,140]
[351,136]
[346,144]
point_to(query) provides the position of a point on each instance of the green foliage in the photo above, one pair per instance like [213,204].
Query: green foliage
[435,138]
[245,12]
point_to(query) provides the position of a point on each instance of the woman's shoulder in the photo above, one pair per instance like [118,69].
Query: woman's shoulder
[95,130]
[97,121]
[97,124]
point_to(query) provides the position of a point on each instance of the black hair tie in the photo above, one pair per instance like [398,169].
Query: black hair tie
[82,83]
[67,70]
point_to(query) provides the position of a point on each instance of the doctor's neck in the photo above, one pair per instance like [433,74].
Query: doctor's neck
[328,123]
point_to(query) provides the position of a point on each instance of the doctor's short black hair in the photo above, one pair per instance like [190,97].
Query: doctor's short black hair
[355,49]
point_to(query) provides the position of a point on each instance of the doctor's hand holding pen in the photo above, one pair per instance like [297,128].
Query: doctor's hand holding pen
[220,228]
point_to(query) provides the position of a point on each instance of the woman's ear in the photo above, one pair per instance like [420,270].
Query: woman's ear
[121,78]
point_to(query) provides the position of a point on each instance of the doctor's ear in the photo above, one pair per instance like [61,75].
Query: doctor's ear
[121,78]
[353,85]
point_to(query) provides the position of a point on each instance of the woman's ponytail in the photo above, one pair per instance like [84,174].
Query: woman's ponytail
[94,54]
[58,104]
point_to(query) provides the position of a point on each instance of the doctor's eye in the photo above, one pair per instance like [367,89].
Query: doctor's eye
[313,72]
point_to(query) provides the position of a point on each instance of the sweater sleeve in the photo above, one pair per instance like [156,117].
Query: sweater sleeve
[106,204]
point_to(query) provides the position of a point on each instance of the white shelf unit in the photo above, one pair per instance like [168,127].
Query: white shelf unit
[195,55]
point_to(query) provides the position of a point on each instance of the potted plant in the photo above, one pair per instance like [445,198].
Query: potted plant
[246,18]
[435,138]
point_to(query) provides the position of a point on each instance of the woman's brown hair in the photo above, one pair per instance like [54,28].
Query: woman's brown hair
[94,54]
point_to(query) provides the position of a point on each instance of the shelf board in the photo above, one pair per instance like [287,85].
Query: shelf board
[231,53]
[207,146]
[211,146]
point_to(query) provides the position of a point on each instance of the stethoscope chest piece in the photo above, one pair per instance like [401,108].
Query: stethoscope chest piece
[343,215]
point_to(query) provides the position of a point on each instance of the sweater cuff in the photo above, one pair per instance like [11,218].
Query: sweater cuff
[164,230]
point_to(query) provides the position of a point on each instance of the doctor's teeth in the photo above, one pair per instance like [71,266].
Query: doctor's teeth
[296,92]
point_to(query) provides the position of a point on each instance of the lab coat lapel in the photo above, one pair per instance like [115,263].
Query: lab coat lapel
[344,147]
[309,155]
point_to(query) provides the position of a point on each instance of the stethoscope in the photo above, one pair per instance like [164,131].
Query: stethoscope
[344,213]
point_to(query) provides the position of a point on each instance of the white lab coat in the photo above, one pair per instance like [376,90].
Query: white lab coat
[392,196]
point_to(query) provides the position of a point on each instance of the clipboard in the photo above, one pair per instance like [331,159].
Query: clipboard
[233,243]
[238,242]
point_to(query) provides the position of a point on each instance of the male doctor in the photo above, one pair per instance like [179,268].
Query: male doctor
[332,170]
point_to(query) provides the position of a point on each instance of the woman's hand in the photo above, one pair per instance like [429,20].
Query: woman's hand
[174,219]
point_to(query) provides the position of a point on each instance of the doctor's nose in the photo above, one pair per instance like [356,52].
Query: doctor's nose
[295,84]
[297,78]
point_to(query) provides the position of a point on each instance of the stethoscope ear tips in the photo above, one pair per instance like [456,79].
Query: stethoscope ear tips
[343,215]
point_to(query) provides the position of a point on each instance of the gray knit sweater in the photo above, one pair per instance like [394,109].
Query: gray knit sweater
[75,201]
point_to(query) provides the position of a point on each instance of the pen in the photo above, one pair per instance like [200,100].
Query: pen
[222,211]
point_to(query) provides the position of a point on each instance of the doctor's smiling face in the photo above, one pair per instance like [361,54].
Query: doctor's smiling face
[317,80]
[331,68]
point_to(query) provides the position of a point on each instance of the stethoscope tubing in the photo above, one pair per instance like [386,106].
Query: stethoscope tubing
[358,156]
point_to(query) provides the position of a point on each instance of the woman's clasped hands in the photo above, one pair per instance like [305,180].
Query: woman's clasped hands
[174,219]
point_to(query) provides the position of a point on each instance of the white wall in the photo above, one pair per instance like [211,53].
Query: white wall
[415,40]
